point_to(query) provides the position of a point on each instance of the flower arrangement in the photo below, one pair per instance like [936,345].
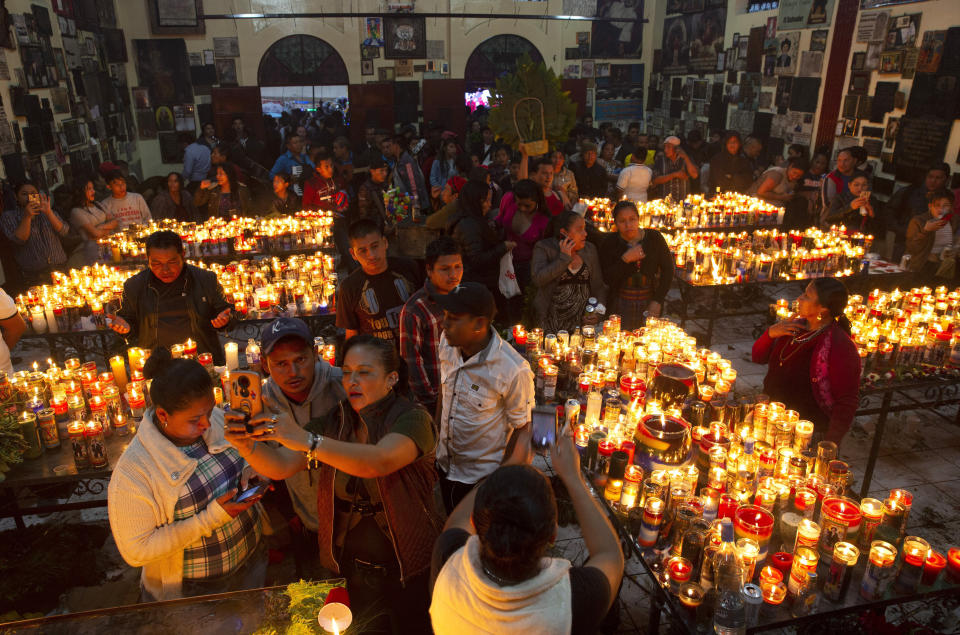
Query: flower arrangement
[398,206]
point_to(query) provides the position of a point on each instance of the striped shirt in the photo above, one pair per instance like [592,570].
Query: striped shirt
[421,324]
[42,248]
[224,550]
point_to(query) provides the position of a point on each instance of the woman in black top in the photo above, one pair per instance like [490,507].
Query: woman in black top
[481,245]
[285,200]
[729,171]
[174,202]
[637,266]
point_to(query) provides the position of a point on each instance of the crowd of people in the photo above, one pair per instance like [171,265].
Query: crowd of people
[429,396]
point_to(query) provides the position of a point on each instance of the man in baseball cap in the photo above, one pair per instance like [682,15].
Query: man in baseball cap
[486,391]
[672,171]
[301,387]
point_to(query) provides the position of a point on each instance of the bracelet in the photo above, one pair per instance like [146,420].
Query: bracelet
[315,441]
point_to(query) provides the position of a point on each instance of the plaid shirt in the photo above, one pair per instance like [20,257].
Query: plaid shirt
[228,546]
[421,323]
[677,188]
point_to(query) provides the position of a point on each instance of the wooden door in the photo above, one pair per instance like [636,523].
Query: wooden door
[230,102]
[578,93]
[443,103]
[370,105]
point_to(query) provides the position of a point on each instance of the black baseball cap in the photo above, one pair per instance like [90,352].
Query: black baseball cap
[281,328]
[377,163]
[471,298]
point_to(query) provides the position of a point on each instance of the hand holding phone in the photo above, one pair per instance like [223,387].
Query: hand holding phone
[544,423]
[254,491]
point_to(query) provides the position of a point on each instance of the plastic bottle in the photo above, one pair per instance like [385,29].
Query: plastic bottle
[730,616]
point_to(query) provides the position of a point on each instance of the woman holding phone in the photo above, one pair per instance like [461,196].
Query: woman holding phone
[856,208]
[172,497]
[372,456]
[566,270]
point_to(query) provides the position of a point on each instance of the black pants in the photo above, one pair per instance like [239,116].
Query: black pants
[385,605]
[452,492]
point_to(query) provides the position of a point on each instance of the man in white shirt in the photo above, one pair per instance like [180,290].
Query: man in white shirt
[486,392]
[12,327]
[127,208]
[634,180]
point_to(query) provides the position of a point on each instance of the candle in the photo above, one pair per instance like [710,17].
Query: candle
[751,521]
[748,550]
[81,456]
[47,425]
[914,552]
[710,497]
[805,560]
[137,357]
[233,356]
[840,520]
[189,348]
[652,519]
[119,371]
[808,534]
[934,564]
[773,593]
[679,570]
[906,498]
[176,351]
[953,563]
[837,583]
[691,595]
[28,428]
[872,511]
[93,433]
[876,576]
[770,574]
[782,561]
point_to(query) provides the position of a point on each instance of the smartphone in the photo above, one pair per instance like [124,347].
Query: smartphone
[245,392]
[544,422]
[255,490]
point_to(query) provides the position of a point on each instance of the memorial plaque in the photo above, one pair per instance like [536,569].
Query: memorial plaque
[921,142]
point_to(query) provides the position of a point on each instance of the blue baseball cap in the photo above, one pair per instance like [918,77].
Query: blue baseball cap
[281,328]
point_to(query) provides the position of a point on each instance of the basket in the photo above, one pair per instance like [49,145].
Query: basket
[533,148]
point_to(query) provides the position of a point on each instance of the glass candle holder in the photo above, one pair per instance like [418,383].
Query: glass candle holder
[770,574]
[953,564]
[914,553]
[691,596]
[871,512]
[839,520]
[782,561]
[652,519]
[837,582]
[906,498]
[748,550]
[805,560]
[808,534]
[805,501]
[752,521]
[679,569]
[728,506]
[710,497]
[879,570]
[773,593]
[932,567]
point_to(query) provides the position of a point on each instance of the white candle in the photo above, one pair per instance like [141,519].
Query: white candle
[38,321]
[233,357]
[51,319]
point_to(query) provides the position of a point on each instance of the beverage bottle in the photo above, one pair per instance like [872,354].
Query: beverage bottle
[747,464]
[730,616]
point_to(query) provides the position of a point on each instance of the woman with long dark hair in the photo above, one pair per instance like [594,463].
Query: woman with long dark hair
[482,247]
[174,201]
[814,367]
[524,217]
[373,459]
[638,266]
[225,196]
[171,499]
[91,220]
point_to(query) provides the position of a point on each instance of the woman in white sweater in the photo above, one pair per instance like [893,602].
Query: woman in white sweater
[171,496]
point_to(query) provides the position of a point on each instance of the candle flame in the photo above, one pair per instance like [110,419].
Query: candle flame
[333,622]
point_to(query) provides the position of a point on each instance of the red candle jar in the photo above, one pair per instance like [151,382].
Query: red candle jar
[782,562]
[629,447]
[679,569]
[631,386]
[839,520]
[770,575]
[934,564]
[752,521]
[728,506]
[953,563]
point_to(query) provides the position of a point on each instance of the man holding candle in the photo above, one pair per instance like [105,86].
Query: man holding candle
[486,392]
[171,301]
[421,320]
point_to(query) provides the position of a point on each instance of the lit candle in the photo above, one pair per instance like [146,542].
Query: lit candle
[808,534]
[679,569]
[934,564]
[914,551]
[119,370]
[872,511]
[805,560]
[233,355]
[876,576]
[190,348]
[837,583]
[748,549]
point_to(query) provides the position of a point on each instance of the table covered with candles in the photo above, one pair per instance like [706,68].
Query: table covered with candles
[726,211]
[276,609]
[671,448]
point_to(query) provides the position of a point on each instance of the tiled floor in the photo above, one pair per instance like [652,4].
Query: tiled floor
[920,452]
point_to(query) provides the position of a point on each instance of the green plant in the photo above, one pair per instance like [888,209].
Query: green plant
[531,79]
[12,444]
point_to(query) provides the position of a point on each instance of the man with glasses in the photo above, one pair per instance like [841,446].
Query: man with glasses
[171,301]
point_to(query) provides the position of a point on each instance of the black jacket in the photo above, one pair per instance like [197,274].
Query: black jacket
[657,265]
[731,173]
[591,182]
[482,248]
[205,300]
[370,203]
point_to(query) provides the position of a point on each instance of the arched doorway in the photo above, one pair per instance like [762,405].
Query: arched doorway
[301,71]
[495,57]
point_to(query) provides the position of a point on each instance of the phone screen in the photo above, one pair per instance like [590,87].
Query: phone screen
[249,493]
[544,428]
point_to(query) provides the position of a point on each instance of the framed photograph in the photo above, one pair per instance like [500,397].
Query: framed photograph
[226,47]
[859,60]
[818,40]
[369,52]
[859,82]
[850,127]
[445,68]
[176,17]
[721,61]
[226,71]
[404,37]
[386,74]
[164,119]
[890,62]
[366,67]
[902,32]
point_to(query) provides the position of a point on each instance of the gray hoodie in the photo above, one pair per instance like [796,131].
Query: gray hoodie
[325,393]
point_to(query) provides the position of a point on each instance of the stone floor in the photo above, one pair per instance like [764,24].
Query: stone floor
[920,452]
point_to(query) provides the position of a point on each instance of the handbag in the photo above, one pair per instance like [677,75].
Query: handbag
[508,277]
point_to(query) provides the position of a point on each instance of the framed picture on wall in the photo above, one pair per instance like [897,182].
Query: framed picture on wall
[176,17]
[404,37]
[366,67]
[859,60]
[859,82]
[818,40]
[890,62]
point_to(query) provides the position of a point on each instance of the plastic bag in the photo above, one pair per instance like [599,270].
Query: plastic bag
[508,277]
